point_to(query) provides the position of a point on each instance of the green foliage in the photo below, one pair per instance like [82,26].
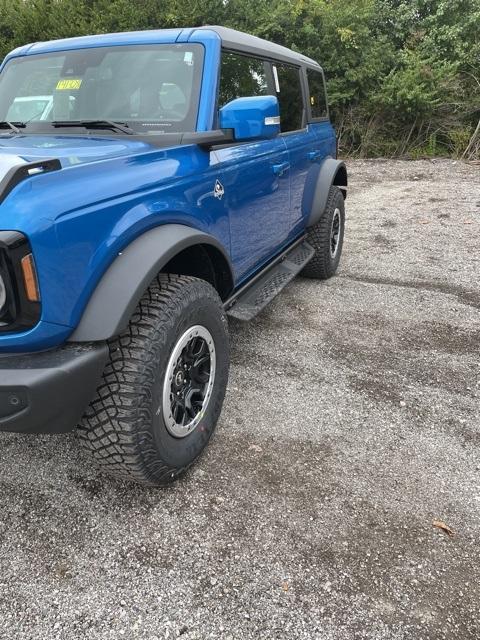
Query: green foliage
[403,75]
[417,86]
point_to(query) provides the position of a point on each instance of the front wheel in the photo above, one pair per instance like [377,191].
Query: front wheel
[163,387]
[326,237]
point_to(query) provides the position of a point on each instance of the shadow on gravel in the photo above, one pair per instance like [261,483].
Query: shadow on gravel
[465,296]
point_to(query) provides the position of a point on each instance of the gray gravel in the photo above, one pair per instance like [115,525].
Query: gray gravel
[351,423]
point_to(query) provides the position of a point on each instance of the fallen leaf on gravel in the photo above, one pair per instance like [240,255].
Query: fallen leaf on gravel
[285,586]
[255,447]
[441,525]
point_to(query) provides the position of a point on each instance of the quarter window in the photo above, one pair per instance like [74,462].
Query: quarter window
[289,92]
[318,96]
[241,77]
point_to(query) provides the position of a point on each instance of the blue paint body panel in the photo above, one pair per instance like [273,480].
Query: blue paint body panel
[111,189]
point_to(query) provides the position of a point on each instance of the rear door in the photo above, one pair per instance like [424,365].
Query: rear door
[254,175]
[304,146]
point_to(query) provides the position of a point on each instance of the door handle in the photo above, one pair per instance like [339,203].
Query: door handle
[314,155]
[279,169]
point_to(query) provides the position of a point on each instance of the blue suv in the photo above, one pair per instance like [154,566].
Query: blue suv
[152,184]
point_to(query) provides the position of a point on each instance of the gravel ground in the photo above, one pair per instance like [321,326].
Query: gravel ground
[351,423]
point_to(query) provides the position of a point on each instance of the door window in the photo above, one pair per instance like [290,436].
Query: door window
[243,76]
[317,94]
[290,96]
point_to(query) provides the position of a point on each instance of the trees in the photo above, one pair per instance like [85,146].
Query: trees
[403,75]
[432,93]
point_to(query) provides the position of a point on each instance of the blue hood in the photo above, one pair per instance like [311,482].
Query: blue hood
[70,150]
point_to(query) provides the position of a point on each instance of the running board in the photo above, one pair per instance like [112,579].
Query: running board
[255,295]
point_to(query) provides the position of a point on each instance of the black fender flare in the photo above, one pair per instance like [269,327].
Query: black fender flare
[124,282]
[319,179]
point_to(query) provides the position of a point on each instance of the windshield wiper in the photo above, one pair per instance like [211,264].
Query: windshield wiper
[95,124]
[11,126]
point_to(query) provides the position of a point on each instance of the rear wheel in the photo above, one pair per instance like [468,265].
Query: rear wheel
[326,237]
[163,387]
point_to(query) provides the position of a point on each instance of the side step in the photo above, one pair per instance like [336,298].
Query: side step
[251,299]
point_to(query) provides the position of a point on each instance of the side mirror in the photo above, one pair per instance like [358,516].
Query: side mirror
[254,118]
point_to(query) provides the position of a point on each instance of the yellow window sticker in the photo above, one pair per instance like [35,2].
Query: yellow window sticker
[69,85]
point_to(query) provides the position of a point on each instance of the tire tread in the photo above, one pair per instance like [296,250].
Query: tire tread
[115,427]
[320,266]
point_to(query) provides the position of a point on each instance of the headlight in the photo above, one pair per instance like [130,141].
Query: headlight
[19,292]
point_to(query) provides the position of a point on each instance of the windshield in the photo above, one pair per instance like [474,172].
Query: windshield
[153,89]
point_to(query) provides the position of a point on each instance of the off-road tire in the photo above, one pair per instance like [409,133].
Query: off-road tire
[124,427]
[323,265]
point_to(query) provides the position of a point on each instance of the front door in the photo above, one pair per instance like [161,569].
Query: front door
[256,183]
[254,176]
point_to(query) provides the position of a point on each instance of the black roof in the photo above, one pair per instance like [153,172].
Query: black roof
[247,43]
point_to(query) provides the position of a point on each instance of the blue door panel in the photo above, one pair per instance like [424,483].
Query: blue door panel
[325,134]
[256,181]
[305,150]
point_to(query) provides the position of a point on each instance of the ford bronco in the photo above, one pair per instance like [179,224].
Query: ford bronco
[167,180]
